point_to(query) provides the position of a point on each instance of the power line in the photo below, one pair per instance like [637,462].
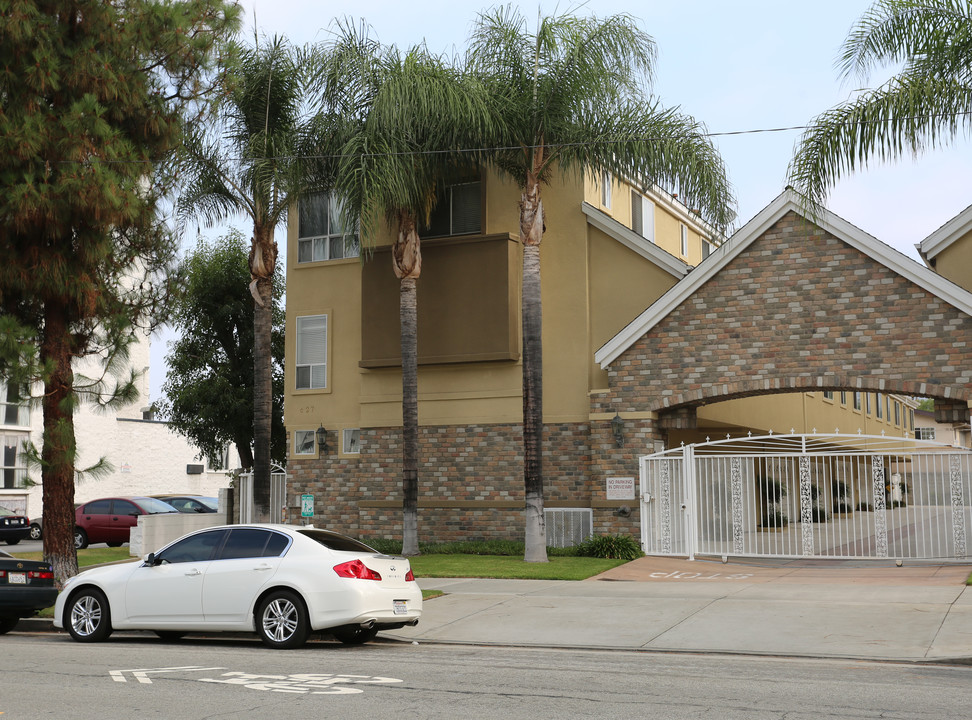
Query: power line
[511,148]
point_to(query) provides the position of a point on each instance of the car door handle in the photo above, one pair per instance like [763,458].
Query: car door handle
[263,567]
[193,572]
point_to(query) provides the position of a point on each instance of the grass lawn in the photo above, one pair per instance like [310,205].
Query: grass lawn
[509,567]
[88,556]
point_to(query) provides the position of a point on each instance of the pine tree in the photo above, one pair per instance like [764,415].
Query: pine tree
[95,95]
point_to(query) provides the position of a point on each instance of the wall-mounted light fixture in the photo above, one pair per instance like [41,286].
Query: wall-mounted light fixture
[617,428]
[322,440]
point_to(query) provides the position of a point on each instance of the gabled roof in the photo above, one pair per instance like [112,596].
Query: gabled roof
[786,202]
[632,240]
[948,233]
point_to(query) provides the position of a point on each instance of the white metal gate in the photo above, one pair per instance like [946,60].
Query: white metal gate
[835,496]
[278,494]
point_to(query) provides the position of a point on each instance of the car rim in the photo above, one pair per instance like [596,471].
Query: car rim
[280,620]
[86,615]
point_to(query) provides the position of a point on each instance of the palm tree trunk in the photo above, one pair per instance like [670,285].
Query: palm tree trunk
[263,256]
[58,452]
[531,233]
[407,259]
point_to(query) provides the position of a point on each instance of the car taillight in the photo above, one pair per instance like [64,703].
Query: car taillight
[41,574]
[356,569]
[409,577]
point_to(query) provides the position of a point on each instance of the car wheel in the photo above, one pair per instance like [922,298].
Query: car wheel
[281,620]
[80,539]
[7,624]
[169,635]
[354,635]
[113,543]
[13,542]
[35,531]
[87,616]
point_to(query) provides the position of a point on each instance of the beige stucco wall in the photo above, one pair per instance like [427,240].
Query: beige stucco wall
[955,262]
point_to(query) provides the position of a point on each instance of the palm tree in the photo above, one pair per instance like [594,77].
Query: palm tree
[405,115]
[924,105]
[259,154]
[572,99]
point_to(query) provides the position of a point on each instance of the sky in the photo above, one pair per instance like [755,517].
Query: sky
[739,68]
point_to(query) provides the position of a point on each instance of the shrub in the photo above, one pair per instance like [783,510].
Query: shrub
[620,547]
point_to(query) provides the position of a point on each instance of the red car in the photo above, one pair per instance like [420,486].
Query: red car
[110,520]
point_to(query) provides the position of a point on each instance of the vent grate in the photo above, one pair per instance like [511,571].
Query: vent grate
[567,526]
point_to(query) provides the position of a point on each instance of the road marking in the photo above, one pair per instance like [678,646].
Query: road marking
[302,683]
[141,674]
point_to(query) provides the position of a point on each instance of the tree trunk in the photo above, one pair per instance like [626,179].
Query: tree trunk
[407,260]
[531,233]
[58,452]
[263,256]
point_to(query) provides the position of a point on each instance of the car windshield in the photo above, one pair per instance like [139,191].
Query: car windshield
[334,541]
[151,506]
[209,502]
[4,511]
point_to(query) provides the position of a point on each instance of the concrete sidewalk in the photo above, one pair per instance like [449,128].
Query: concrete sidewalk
[796,608]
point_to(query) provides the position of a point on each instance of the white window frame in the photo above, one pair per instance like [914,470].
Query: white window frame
[643,216]
[18,469]
[320,245]
[606,181]
[683,237]
[22,408]
[351,441]
[300,443]
[301,351]
[924,433]
[449,203]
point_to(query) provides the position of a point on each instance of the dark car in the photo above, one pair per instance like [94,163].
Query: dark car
[13,527]
[191,503]
[110,520]
[26,586]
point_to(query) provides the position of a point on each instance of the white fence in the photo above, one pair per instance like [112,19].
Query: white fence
[836,496]
[278,494]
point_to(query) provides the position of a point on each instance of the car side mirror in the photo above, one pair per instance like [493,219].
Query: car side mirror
[150,559]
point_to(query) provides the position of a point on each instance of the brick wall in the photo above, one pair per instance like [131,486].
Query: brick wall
[470,481]
[799,310]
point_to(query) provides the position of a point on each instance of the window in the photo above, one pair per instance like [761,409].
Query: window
[123,507]
[196,548]
[245,543]
[683,231]
[458,211]
[927,433]
[829,394]
[887,406]
[13,406]
[897,413]
[911,413]
[304,442]
[642,216]
[880,406]
[98,507]
[843,397]
[321,234]
[606,189]
[312,352]
[857,401]
[351,442]
[12,462]
[867,402]
[706,249]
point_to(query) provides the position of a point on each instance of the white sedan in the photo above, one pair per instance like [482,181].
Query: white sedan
[283,581]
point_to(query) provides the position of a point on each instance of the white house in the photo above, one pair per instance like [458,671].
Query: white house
[146,457]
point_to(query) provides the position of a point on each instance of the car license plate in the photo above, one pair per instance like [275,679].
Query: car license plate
[21,579]
[400,608]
